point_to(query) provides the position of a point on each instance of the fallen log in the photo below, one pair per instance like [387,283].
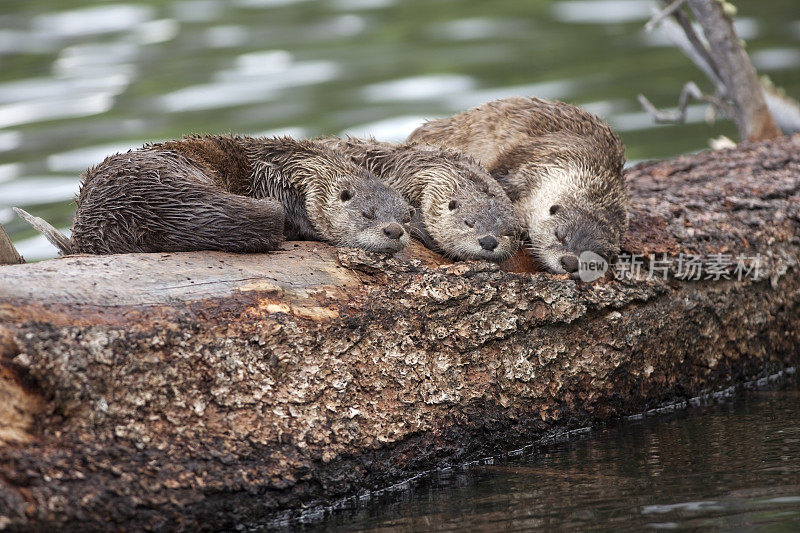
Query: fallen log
[209,390]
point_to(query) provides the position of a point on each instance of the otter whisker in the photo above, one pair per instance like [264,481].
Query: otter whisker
[546,154]
[449,188]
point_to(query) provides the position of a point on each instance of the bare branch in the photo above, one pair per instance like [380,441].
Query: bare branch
[701,50]
[680,30]
[753,118]
[55,237]
[664,13]
[690,90]
[684,37]
[8,254]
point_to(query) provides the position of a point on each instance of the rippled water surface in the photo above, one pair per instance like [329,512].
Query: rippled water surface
[82,79]
[733,466]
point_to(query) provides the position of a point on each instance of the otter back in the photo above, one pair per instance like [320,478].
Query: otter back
[153,200]
[560,165]
[233,193]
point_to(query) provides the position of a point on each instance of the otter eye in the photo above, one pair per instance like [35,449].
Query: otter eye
[407,218]
[345,195]
[469,222]
[554,209]
[369,215]
[452,205]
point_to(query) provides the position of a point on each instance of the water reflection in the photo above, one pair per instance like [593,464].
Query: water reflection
[776,58]
[95,59]
[354,5]
[256,77]
[418,88]
[156,31]
[296,133]
[735,465]
[82,158]
[197,10]
[38,89]
[257,4]
[226,36]
[10,171]
[10,140]
[92,20]
[478,28]
[602,11]
[561,89]
[394,129]
[48,189]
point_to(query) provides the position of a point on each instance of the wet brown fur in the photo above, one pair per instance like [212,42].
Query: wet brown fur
[430,178]
[545,154]
[230,193]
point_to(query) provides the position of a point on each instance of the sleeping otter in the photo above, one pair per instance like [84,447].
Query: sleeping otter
[560,166]
[463,212]
[232,193]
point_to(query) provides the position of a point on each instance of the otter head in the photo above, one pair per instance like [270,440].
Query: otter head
[364,213]
[472,222]
[572,213]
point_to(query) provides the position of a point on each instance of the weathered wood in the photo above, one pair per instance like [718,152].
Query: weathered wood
[177,391]
[8,253]
[759,110]
[753,118]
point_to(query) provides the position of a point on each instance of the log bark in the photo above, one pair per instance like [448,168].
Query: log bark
[208,390]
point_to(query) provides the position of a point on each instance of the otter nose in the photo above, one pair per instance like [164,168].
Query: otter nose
[488,242]
[570,263]
[393,230]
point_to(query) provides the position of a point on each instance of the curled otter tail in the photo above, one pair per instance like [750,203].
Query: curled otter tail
[56,238]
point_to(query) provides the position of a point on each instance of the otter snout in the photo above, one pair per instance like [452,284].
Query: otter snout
[393,230]
[570,263]
[488,242]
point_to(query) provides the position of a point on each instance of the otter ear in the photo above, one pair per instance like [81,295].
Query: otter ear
[500,174]
[554,209]
[505,178]
[345,195]
[452,205]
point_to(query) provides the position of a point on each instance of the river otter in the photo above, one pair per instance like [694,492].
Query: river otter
[560,165]
[232,193]
[463,212]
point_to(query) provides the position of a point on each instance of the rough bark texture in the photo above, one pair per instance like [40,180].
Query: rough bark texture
[753,118]
[208,390]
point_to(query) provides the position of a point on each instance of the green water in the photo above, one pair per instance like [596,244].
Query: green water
[731,466]
[82,79]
